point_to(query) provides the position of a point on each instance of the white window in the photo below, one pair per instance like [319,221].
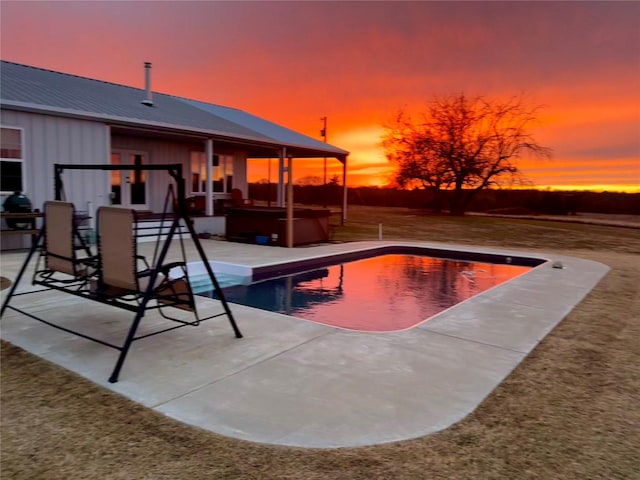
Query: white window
[11,159]
[221,171]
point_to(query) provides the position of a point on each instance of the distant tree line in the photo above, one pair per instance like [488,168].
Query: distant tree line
[505,201]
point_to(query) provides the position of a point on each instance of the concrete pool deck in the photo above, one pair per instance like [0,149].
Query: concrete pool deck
[298,383]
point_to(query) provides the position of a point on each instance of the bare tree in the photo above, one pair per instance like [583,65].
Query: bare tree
[461,146]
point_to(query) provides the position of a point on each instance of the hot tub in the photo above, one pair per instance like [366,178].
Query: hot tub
[244,224]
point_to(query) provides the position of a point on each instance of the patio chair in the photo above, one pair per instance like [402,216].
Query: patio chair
[127,280]
[124,273]
[67,257]
[238,200]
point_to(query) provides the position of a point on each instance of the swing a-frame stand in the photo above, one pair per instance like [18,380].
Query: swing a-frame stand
[113,276]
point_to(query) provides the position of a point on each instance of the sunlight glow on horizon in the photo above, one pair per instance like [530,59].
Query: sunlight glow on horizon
[367,165]
[569,169]
[380,176]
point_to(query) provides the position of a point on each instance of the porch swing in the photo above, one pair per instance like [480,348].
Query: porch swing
[117,275]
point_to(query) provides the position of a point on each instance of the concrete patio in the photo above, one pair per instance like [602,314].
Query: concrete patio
[298,383]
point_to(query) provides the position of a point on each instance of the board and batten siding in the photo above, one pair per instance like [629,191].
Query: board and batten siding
[48,140]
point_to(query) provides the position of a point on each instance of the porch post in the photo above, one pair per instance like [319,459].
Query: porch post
[344,191]
[290,203]
[208,191]
[106,198]
[281,169]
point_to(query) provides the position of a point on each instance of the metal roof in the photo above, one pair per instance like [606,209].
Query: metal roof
[35,89]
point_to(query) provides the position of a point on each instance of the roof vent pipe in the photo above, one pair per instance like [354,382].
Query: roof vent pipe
[147,85]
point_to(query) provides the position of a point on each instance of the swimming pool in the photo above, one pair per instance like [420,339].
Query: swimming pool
[382,292]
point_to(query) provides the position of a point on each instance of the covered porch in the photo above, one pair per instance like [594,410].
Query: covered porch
[216,177]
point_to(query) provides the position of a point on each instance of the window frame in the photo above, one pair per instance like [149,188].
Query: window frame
[225,162]
[20,160]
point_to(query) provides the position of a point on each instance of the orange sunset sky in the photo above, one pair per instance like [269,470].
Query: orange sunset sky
[357,63]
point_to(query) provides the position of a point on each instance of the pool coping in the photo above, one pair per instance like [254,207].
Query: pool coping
[296,383]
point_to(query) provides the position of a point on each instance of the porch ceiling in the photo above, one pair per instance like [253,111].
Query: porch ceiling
[254,149]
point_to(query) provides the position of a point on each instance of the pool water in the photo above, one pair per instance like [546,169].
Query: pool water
[201,283]
[378,294]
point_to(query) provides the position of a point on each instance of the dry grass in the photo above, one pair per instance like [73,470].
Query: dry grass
[569,411]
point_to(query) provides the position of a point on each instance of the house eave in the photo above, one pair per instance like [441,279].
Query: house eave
[192,132]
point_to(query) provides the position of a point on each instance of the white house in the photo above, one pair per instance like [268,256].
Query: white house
[50,117]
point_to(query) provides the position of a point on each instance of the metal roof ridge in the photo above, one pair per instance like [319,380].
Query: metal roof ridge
[75,76]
